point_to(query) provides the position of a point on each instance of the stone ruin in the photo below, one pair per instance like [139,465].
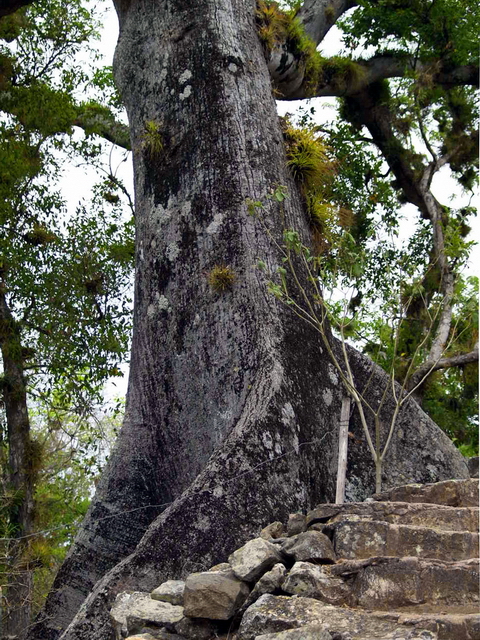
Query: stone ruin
[401,566]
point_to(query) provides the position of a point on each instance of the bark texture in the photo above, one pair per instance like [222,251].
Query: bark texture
[232,411]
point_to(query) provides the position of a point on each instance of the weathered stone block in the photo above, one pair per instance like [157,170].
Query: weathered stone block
[170,591]
[141,606]
[354,537]
[472,464]
[296,524]
[270,582]
[273,530]
[155,634]
[272,614]
[214,595]
[252,560]
[222,566]
[311,546]
[310,632]
[196,629]
[312,581]
[386,583]
[454,493]
[426,515]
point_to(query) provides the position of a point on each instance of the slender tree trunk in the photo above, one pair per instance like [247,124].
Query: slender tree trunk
[231,403]
[20,481]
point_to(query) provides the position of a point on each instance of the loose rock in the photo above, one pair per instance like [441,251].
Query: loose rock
[195,629]
[312,581]
[271,582]
[170,591]
[252,560]
[273,530]
[454,493]
[311,546]
[296,524]
[311,632]
[140,606]
[155,634]
[215,595]
[272,614]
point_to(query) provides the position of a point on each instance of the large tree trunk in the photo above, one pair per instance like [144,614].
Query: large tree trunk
[233,410]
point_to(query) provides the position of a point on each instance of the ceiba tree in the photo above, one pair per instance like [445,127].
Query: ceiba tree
[232,406]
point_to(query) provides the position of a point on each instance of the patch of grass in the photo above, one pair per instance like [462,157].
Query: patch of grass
[307,157]
[152,141]
[221,278]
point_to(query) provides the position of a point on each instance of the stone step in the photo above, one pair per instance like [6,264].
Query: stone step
[446,626]
[420,514]
[452,493]
[354,537]
[273,614]
[392,583]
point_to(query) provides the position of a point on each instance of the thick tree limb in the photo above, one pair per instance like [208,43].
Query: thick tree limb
[377,116]
[444,363]
[319,16]
[92,118]
[380,68]
[104,125]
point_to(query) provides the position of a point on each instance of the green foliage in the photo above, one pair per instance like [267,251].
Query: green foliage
[65,277]
[446,29]
[313,168]
[221,278]
[439,36]
[152,138]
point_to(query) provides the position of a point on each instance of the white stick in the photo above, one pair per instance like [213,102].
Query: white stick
[342,450]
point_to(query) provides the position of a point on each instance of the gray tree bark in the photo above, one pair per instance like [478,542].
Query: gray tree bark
[232,407]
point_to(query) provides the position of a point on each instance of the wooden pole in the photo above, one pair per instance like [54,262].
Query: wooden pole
[342,450]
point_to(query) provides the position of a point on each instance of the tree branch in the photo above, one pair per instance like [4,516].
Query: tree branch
[444,363]
[102,123]
[91,117]
[382,68]
[319,16]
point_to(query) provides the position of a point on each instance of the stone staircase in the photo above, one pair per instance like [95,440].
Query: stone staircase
[401,566]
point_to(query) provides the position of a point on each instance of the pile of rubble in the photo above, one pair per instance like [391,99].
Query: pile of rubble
[403,565]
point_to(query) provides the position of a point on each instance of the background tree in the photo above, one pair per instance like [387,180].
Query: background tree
[64,312]
[232,409]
